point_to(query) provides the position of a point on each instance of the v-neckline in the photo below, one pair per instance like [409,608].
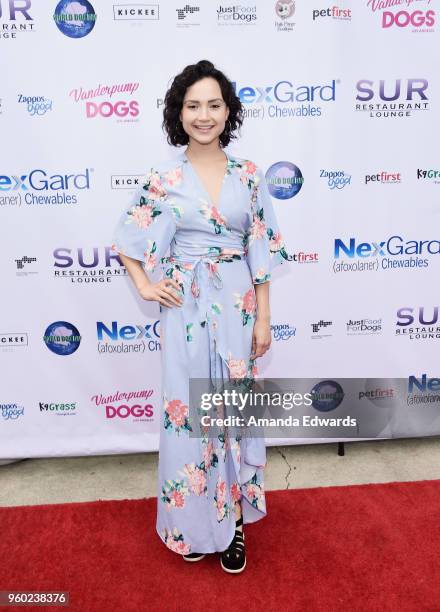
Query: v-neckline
[201,183]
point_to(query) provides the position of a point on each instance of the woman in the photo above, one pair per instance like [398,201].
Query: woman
[215,214]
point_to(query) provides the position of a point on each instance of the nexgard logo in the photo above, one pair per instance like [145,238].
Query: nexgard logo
[395,252]
[116,338]
[285,99]
[40,187]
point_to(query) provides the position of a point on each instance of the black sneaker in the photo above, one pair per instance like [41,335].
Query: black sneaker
[194,557]
[233,559]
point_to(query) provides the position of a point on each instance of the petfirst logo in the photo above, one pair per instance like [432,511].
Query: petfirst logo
[21,188]
[305,258]
[236,14]
[22,263]
[417,21]
[283,331]
[386,178]
[423,390]
[284,180]
[390,254]
[62,338]
[15,17]
[283,10]
[87,265]
[63,409]
[316,329]
[428,175]
[425,327]
[334,13]
[75,18]
[122,405]
[35,105]
[139,12]
[114,338]
[11,412]
[389,98]
[363,327]
[335,179]
[284,100]
[122,110]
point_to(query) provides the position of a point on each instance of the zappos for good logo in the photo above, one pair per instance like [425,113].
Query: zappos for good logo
[11,412]
[62,338]
[75,18]
[327,395]
[284,180]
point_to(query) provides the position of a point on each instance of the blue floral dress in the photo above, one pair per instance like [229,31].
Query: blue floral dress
[217,253]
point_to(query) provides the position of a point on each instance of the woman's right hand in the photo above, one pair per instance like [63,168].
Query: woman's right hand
[162,292]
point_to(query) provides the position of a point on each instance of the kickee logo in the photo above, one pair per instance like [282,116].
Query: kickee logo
[418,325]
[335,179]
[84,266]
[139,12]
[395,252]
[35,105]
[432,175]
[122,405]
[283,331]
[63,409]
[334,13]
[236,14]
[363,327]
[16,19]
[126,181]
[11,412]
[284,9]
[383,177]
[127,339]
[13,340]
[316,329]
[38,187]
[396,98]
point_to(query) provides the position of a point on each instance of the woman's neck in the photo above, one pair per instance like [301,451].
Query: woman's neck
[212,151]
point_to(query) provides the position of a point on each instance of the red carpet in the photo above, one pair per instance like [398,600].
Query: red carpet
[369,547]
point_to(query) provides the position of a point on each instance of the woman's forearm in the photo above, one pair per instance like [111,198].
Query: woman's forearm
[135,271]
[263,305]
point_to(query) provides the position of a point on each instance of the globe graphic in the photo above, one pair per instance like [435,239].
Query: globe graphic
[62,338]
[327,395]
[75,18]
[284,180]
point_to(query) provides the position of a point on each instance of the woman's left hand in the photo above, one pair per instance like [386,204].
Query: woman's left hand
[261,338]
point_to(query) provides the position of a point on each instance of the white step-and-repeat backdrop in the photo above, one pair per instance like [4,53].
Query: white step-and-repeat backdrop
[342,101]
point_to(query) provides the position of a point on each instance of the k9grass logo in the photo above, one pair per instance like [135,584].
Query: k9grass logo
[135,406]
[113,101]
[58,408]
[36,106]
[62,338]
[116,338]
[85,266]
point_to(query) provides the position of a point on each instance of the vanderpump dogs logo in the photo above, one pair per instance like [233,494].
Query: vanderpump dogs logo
[236,14]
[423,390]
[75,18]
[135,405]
[333,13]
[432,176]
[36,106]
[87,265]
[118,103]
[11,412]
[335,179]
[39,187]
[363,327]
[284,180]
[15,18]
[285,100]
[60,409]
[404,14]
[420,323]
[391,98]
[352,255]
[116,338]
[284,10]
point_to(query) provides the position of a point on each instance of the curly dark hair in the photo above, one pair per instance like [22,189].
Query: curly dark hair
[172,125]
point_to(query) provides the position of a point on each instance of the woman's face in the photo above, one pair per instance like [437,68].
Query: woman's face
[204,112]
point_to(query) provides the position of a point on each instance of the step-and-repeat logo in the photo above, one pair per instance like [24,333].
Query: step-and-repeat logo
[62,338]
[134,405]
[283,331]
[15,18]
[116,338]
[108,101]
[58,408]
[136,12]
[75,18]
[284,180]
[284,10]
[11,411]
[420,20]
[335,179]
[391,98]
[87,265]
[10,341]
[418,323]
[36,106]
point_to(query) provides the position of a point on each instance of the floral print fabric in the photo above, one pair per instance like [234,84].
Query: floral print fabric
[217,253]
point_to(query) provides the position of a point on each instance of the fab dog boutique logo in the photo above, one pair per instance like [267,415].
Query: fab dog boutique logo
[87,265]
[284,10]
[75,18]
[39,187]
[385,99]
[15,18]
[118,103]
[133,405]
[116,338]
[404,14]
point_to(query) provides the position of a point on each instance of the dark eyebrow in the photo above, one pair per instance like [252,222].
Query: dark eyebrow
[214,100]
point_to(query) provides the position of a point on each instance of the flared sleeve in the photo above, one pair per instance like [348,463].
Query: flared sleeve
[145,230]
[264,244]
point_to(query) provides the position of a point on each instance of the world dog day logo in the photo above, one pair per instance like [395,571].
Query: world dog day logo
[118,102]
[62,338]
[75,18]
[284,180]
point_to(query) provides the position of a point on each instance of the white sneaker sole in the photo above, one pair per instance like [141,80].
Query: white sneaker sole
[195,559]
[232,571]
